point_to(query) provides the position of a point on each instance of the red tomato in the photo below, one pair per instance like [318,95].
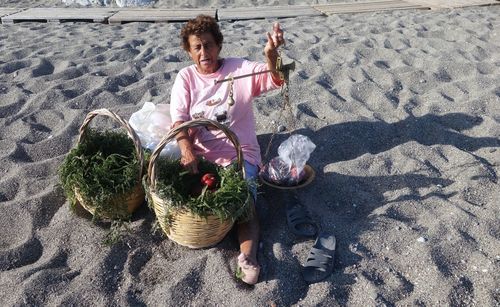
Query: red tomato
[209,180]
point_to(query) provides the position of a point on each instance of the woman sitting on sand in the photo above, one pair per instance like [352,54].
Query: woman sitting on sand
[195,95]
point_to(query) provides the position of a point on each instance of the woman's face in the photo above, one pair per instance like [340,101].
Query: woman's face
[204,52]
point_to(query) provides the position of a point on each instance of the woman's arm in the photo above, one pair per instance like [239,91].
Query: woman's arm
[188,159]
[271,50]
[179,111]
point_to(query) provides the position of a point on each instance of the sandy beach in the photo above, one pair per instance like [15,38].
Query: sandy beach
[403,106]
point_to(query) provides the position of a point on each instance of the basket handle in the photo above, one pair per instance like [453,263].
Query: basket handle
[130,131]
[191,124]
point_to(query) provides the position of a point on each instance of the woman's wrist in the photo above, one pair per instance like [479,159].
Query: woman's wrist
[271,53]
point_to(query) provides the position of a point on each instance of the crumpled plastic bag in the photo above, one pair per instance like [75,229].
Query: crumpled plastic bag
[287,169]
[151,123]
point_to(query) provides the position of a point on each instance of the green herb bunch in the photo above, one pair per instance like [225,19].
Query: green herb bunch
[104,167]
[228,201]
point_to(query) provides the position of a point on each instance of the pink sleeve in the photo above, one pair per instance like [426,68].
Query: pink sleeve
[179,99]
[262,82]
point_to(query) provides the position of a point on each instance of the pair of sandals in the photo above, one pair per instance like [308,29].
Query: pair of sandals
[319,263]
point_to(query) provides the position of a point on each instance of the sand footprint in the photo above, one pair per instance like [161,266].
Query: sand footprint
[462,293]
[9,188]
[393,286]
[189,286]
[42,123]
[137,260]
[442,75]
[7,148]
[306,109]
[480,54]
[44,68]
[382,64]
[49,285]
[327,83]
[17,245]
[42,143]
[94,51]
[393,94]
[126,79]
[485,68]
[14,66]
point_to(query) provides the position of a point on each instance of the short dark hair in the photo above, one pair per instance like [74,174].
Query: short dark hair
[201,24]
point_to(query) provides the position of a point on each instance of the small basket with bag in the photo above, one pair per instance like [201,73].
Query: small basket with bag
[103,172]
[201,218]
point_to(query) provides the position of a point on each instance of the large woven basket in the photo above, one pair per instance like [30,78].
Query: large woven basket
[123,204]
[180,225]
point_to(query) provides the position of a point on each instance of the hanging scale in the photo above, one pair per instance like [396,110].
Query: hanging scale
[284,73]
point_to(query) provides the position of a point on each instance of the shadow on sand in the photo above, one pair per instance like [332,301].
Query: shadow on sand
[343,142]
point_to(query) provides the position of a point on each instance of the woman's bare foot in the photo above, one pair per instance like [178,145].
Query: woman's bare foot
[248,236]
[248,270]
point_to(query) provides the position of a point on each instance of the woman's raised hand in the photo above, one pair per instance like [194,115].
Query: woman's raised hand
[275,39]
[271,50]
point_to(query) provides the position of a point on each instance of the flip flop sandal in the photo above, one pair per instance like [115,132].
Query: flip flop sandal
[299,221]
[319,264]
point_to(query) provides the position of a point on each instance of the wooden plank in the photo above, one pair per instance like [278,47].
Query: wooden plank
[449,4]
[158,15]
[371,6]
[266,12]
[368,6]
[8,11]
[60,14]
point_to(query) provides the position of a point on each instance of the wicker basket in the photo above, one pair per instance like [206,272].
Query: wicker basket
[180,225]
[127,202]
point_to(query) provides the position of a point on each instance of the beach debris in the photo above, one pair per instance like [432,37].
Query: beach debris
[422,239]
[354,247]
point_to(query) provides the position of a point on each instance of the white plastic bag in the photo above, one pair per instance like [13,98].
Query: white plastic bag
[287,169]
[152,123]
[295,151]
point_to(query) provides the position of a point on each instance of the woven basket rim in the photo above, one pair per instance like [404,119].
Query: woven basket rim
[184,126]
